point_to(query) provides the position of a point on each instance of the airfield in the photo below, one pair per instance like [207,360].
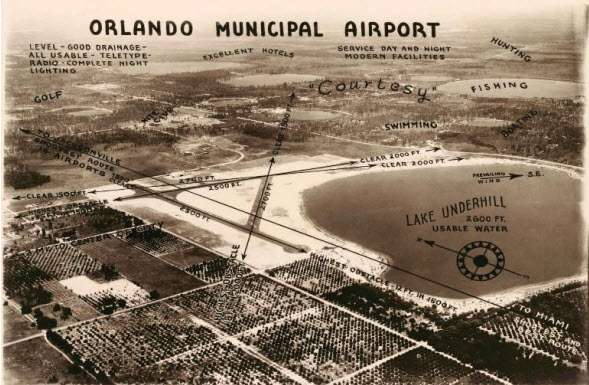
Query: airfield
[239,225]
[300,213]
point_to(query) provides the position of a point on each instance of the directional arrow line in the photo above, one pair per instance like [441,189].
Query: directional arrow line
[305,234]
[433,243]
[213,182]
[262,235]
[458,159]
[169,184]
[513,272]
[434,149]
[203,185]
[510,176]
[171,199]
[244,254]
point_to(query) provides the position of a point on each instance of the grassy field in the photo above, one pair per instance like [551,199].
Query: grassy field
[175,225]
[25,204]
[64,177]
[316,145]
[65,298]
[192,256]
[15,326]
[35,362]
[149,272]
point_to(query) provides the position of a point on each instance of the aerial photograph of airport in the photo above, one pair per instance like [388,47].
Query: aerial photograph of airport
[245,193]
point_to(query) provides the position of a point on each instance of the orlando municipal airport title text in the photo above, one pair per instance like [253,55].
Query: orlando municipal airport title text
[261,28]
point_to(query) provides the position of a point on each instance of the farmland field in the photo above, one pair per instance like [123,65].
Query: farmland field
[219,362]
[260,301]
[414,367]
[213,270]
[533,334]
[330,342]
[65,298]
[20,273]
[386,308]
[136,265]
[188,257]
[156,242]
[134,339]
[313,275]
[62,261]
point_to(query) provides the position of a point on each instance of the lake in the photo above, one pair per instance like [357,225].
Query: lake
[536,88]
[83,110]
[485,122]
[309,114]
[542,218]
[161,68]
[270,80]
[431,78]
[229,102]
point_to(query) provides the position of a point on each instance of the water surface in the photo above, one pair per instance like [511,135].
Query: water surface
[542,218]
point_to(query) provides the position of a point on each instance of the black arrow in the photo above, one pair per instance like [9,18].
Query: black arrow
[92,192]
[18,197]
[510,176]
[221,181]
[410,272]
[324,241]
[434,149]
[433,243]
[307,235]
[220,219]
[174,200]
[217,181]
[223,204]
[244,254]
[243,211]
[171,199]
[458,159]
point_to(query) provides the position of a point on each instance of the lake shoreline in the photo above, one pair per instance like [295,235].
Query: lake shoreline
[391,257]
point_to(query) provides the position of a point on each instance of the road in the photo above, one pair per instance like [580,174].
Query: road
[241,154]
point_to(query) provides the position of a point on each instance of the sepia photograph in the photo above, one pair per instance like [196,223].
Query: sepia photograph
[294,193]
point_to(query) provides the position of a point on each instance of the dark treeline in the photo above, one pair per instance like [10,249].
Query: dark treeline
[19,176]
